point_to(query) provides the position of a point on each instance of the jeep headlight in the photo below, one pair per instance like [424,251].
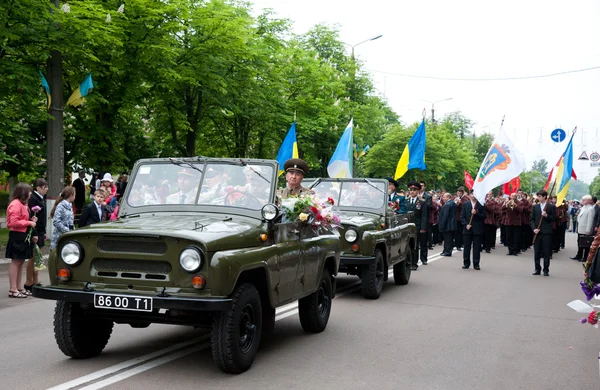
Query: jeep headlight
[71,253]
[190,259]
[351,235]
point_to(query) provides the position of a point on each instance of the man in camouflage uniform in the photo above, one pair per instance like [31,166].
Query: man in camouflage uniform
[295,169]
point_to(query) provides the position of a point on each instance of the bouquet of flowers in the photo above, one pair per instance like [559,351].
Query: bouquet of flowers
[308,209]
[35,210]
[38,259]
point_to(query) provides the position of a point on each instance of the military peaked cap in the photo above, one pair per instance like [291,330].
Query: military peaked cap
[296,164]
[414,184]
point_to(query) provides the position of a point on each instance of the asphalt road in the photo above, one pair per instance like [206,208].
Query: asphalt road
[449,328]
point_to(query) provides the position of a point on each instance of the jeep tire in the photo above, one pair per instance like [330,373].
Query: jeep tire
[314,310]
[403,269]
[236,332]
[78,336]
[372,277]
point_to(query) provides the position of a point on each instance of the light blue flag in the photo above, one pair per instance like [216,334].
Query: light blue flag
[288,149]
[46,88]
[340,165]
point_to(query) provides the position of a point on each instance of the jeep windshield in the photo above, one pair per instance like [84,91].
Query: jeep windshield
[357,193]
[207,184]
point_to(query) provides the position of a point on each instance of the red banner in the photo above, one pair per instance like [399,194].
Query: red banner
[511,186]
[469,181]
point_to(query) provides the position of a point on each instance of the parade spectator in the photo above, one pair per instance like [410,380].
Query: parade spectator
[472,217]
[542,216]
[574,213]
[79,185]
[121,185]
[585,227]
[36,200]
[62,214]
[110,189]
[596,213]
[18,248]
[94,212]
[447,224]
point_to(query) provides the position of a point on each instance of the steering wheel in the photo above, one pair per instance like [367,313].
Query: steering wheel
[242,199]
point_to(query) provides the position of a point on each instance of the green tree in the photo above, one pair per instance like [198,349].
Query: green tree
[595,186]
[540,166]
[482,145]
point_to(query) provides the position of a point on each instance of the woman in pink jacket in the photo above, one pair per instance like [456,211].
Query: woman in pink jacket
[18,248]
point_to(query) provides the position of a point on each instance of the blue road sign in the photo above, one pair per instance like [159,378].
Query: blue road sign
[558,135]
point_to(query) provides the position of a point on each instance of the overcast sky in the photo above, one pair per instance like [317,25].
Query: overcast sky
[478,39]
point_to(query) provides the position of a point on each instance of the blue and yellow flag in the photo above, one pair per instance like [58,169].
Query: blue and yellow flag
[46,88]
[81,92]
[565,172]
[413,155]
[288,149]
[340,165]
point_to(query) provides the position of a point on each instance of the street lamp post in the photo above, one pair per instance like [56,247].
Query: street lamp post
[432,107]
[354,60]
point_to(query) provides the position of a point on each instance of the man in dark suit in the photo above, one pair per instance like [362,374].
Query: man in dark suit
[597,214]
[79,185]
[472,217]
[447,224]
[94,212]
[543,212]
[421,220]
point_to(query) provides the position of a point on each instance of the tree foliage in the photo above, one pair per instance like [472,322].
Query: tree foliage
[200,77]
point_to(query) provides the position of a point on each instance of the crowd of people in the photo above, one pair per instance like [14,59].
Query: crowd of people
[458,221]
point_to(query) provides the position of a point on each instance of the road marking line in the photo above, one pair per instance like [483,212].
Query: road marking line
[144,367]
[126,364]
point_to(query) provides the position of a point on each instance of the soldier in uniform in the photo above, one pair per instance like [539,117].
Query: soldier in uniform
[295,169]
[421,220]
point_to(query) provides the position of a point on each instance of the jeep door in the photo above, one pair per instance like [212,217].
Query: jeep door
[289,258]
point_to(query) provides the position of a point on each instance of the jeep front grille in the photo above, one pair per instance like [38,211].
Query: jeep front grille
[131,269]
[143,245]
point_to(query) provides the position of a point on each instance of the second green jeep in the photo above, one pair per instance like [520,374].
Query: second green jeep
[373,237]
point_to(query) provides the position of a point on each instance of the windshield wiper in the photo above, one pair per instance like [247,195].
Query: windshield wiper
[245,164]
[369,182]
[187,163]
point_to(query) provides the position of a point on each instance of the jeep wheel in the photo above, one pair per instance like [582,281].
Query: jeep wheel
[372,277]
[77,336]
[314,310]
[236,333]
[403,270]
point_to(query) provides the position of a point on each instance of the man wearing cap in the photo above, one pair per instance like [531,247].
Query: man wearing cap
[187,181]
[213,186]
[421,220]
[295,169]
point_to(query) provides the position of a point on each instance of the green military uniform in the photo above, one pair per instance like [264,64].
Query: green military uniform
[296,165]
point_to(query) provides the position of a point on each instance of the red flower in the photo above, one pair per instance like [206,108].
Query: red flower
[593,318]
[319,217]
[330,200]
[314,210]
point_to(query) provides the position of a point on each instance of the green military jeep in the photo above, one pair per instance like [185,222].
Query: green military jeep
[373,237]
[198,243]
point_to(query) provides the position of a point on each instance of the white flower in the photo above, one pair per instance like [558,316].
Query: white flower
[65,8]
[121,9]
[108,19]
[337,103]
[70,126]
[137,107]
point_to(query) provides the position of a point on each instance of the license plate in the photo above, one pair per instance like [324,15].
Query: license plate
[122,302]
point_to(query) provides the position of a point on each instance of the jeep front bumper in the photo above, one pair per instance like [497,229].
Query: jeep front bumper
[159,302]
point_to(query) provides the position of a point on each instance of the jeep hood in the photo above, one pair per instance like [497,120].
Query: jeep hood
[217,232]
[359,219]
